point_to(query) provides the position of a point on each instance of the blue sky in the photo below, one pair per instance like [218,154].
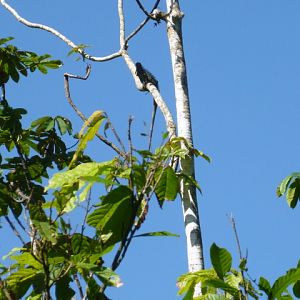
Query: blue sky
[243,61]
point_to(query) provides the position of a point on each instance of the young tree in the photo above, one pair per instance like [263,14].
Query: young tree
[167,172]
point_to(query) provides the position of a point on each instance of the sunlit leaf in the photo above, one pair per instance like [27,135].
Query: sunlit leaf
[221,260]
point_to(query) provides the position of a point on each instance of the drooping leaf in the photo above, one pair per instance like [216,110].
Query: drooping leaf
[114,214]
[167,185]
[92,124]
[221,260]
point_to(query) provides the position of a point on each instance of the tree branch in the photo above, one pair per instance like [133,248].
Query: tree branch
[80,114]
[59,35]
[143,23]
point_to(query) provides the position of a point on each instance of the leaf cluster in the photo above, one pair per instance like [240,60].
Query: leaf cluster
[15,62]
[222,282]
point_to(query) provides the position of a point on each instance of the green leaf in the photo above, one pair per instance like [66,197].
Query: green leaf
[64,125]
[92,124]
[70,177]
[282,188]
[5,40]
[293,193]
[63,290]
[296,289]
[283,282]
[200,153]
[264,285]
[222,285]
[115,214]
[157,233]
[221,260]
[46,231]
[109,277]
[167,184]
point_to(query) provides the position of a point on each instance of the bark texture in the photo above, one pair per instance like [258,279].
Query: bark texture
[184,127]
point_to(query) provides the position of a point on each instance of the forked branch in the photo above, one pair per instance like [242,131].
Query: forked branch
[59,35]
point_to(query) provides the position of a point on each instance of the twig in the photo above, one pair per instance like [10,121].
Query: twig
[14,229]
[79,286]
[59,35]
[130,149]
[115,134]
[80,114]
[232,221]
[142,24]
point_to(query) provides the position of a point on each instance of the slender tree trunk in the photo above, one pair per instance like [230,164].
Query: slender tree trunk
[188,191]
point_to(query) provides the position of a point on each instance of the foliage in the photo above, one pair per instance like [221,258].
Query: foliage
[14,62]
[55,255]
[290,187]
[222,282]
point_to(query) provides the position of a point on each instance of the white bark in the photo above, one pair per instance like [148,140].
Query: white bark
[188,191]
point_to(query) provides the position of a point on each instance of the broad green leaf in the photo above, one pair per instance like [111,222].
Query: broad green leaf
[63,290]
[167,185]
[64,125]
[71,176]
[264,285]
[157,233]
[27,259]
[46,231]
[41,121]
[114,214]
[221,260]
[283,282]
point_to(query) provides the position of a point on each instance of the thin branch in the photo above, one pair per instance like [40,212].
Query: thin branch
[115,134]
[145,11]
[14,229]
[59,35]
[142,24]
[232,221]
[78,286]
[80,114]
[130,150]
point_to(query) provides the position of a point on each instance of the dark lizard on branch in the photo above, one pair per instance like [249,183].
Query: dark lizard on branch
[147,77]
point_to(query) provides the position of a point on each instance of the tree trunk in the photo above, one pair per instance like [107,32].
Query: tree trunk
[188,190]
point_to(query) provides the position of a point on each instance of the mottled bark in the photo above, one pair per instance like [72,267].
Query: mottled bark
[184,127]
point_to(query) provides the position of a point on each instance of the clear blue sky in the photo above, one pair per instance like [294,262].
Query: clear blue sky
[243,60]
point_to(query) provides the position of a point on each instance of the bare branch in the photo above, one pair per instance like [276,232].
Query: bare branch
[143,23]
[80,114]
[59,35]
